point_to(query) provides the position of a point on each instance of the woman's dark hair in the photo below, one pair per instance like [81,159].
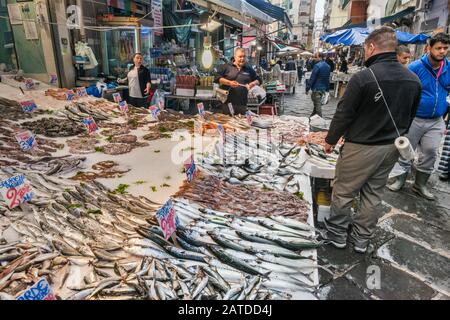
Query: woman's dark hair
[280,62]
[136,54]
[440,37]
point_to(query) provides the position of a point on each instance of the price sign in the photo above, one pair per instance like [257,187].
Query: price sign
[39,291]
[167,219]
[201,109]
[191,168]
[70,95]
[81,92]
[230,107]
[26,140]
[221,132]
[90,124]
[155,111]
[249,116]
[117,97]
[15,191]
[29,84]
[53,78]
[28,106]
[123,106]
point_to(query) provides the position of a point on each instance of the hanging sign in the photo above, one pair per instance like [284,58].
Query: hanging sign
[15,191]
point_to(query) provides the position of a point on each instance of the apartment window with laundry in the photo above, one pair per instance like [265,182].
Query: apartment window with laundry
[8,59]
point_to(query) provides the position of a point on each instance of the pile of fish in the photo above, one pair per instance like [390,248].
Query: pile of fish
[58,93]
[254,159]
[164,129]
[212,192]
[54,127]
[12,110]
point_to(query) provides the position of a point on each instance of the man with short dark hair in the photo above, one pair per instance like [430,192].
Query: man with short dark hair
[403,54]
[428,127]
[237,77]
[290,65]
[319,83]
[369,153]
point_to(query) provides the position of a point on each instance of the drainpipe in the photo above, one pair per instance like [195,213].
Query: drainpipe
[81,21]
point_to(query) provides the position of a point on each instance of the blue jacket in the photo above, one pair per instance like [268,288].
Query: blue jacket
[320,77]
[433,102]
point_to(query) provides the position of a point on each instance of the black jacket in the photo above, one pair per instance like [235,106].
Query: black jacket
[361,115]
[144,77]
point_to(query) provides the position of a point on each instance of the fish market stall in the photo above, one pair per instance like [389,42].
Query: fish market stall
[84,183]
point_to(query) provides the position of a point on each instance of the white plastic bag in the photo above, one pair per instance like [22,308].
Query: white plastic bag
[325,98]
[257,91]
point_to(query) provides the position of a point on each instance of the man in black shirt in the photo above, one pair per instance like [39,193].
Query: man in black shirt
[237,77]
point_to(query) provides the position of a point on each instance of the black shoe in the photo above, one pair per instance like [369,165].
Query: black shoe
[444,177]
[323,237]
[359,248]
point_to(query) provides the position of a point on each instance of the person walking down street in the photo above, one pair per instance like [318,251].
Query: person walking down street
[344,65]
[319,84]
[139,83]
[300,66]
[330,63]
[238,78]
[403,54]
[369,152]
[428,127]
[264,64]
[290,65]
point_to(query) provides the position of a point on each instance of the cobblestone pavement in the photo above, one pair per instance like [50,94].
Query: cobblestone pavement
[411,248]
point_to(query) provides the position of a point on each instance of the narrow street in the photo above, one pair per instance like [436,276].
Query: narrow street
[411,246]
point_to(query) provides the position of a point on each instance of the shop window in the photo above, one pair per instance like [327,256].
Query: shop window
[8,59]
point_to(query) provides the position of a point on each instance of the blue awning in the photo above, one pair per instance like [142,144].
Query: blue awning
[357,36]
[275,12]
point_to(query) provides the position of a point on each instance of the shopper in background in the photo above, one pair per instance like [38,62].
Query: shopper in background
[344,65]
[139,83]
[369,153]
[276,70]
[300,66]
[319,83]
[290,65]
[403,54]
[330,62]
[428,127]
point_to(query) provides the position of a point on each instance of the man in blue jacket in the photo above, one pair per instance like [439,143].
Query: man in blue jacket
[319,84]
[428,127]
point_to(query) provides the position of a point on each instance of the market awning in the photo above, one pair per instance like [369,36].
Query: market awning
[357,36]
[382,21]
[275,12]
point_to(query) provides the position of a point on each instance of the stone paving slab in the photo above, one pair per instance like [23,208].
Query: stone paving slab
[432,267]
[340,260]
[434,237]
[341,289]
[393,284]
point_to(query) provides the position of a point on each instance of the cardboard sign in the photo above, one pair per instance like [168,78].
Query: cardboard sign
[123,106]
[39,291]
[15,191]
[29,84]
[155,111]
[117,97]
[26,140]
[191,168]
[230,107]
[90,124]
[249,116]
[81,92]
[28,106]
[53,79]
[167,219]
[201,109]
[70,95]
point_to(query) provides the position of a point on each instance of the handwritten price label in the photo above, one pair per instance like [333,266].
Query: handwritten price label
[117,97]
[15,191]
[81,92]
[53,78]
[90,125]
[201,109]
[29,84]
[28,106]
[39,291]
[230,107]
[167,219]
[26,140]
[70,95]
[191,168]
[249,116]
[123,106]
[155,111]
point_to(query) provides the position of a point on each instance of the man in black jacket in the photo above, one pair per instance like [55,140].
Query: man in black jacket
[369,153]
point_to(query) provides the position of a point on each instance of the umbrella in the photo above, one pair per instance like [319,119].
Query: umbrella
[306,54]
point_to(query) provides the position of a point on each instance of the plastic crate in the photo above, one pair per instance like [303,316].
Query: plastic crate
[268,109]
